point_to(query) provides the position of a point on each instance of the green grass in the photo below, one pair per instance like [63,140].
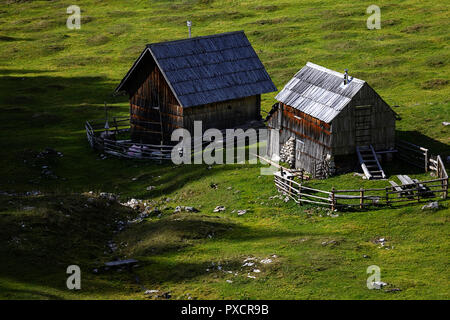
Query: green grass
[53,79]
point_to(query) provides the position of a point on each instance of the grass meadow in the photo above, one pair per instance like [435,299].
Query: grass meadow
[53,79]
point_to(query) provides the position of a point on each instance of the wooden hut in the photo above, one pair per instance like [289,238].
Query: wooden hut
[217,79]
[331,116]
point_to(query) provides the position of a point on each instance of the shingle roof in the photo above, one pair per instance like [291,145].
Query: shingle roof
[209,69]
[319,92]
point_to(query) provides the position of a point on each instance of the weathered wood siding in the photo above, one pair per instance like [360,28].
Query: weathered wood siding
[311,134]
[225,114]
[154,92]
[382,123]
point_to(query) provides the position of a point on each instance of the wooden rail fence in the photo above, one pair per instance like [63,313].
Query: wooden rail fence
[105,139]
[413,154]
[362,198]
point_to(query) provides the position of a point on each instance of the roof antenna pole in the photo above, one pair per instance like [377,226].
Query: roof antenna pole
[189,24]
[346,77]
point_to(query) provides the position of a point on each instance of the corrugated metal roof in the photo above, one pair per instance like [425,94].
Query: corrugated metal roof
[209,69]
[319,92]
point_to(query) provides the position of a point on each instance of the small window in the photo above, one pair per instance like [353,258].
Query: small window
[229,107]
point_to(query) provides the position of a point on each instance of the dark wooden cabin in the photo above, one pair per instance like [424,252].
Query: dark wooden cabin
[329,114]
[218,79]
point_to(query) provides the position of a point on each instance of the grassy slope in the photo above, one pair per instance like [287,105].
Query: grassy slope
[52,79]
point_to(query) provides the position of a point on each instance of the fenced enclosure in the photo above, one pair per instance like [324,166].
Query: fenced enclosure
[109,141]
[413,154]
[411,190]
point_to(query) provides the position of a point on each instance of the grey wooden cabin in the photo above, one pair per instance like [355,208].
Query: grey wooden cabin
[330,115]
[217,79]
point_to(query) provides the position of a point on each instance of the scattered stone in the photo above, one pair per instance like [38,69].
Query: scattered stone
[445,123]
[165,295]
[431,206]
[249,259]
[151,291]
[213,186]
[229,188]
[219,209]
[325,243]
[28,208]
[230,281]
[250,276]
[256,270]
[119,263]
[266,261]
[191,209]
[108,196]
[241,212]
[378,285]
[365,256]
[286,199]
[132,203]
[150,188]
[393,290]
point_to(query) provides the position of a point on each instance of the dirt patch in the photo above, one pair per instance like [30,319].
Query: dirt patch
[415,28]
[434,84]
[97,40]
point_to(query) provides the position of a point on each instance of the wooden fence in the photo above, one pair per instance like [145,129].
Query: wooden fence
[362,198]
[413,154]
[106,140]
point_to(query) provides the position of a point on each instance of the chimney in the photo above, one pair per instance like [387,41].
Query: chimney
[189,24]
[346,77]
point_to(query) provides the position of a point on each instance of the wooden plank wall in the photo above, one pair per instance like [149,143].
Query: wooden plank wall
[382,123]
[154,92]
[314,134]
[225,114]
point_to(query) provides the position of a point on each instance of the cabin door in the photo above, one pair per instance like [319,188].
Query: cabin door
[363,125]
[274,143]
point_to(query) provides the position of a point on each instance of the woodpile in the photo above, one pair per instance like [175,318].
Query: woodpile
[287,152]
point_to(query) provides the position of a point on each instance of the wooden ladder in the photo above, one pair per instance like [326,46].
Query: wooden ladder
[363,118]
[369,162]
[160,124]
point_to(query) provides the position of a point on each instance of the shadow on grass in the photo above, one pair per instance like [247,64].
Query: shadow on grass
[158,242]
[435,147]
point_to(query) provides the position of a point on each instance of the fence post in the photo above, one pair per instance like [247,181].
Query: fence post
[333,199]
[426,160]
[361,200]
[418,193]
[290,187]
[300,194]
[446,189]
[387,196]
